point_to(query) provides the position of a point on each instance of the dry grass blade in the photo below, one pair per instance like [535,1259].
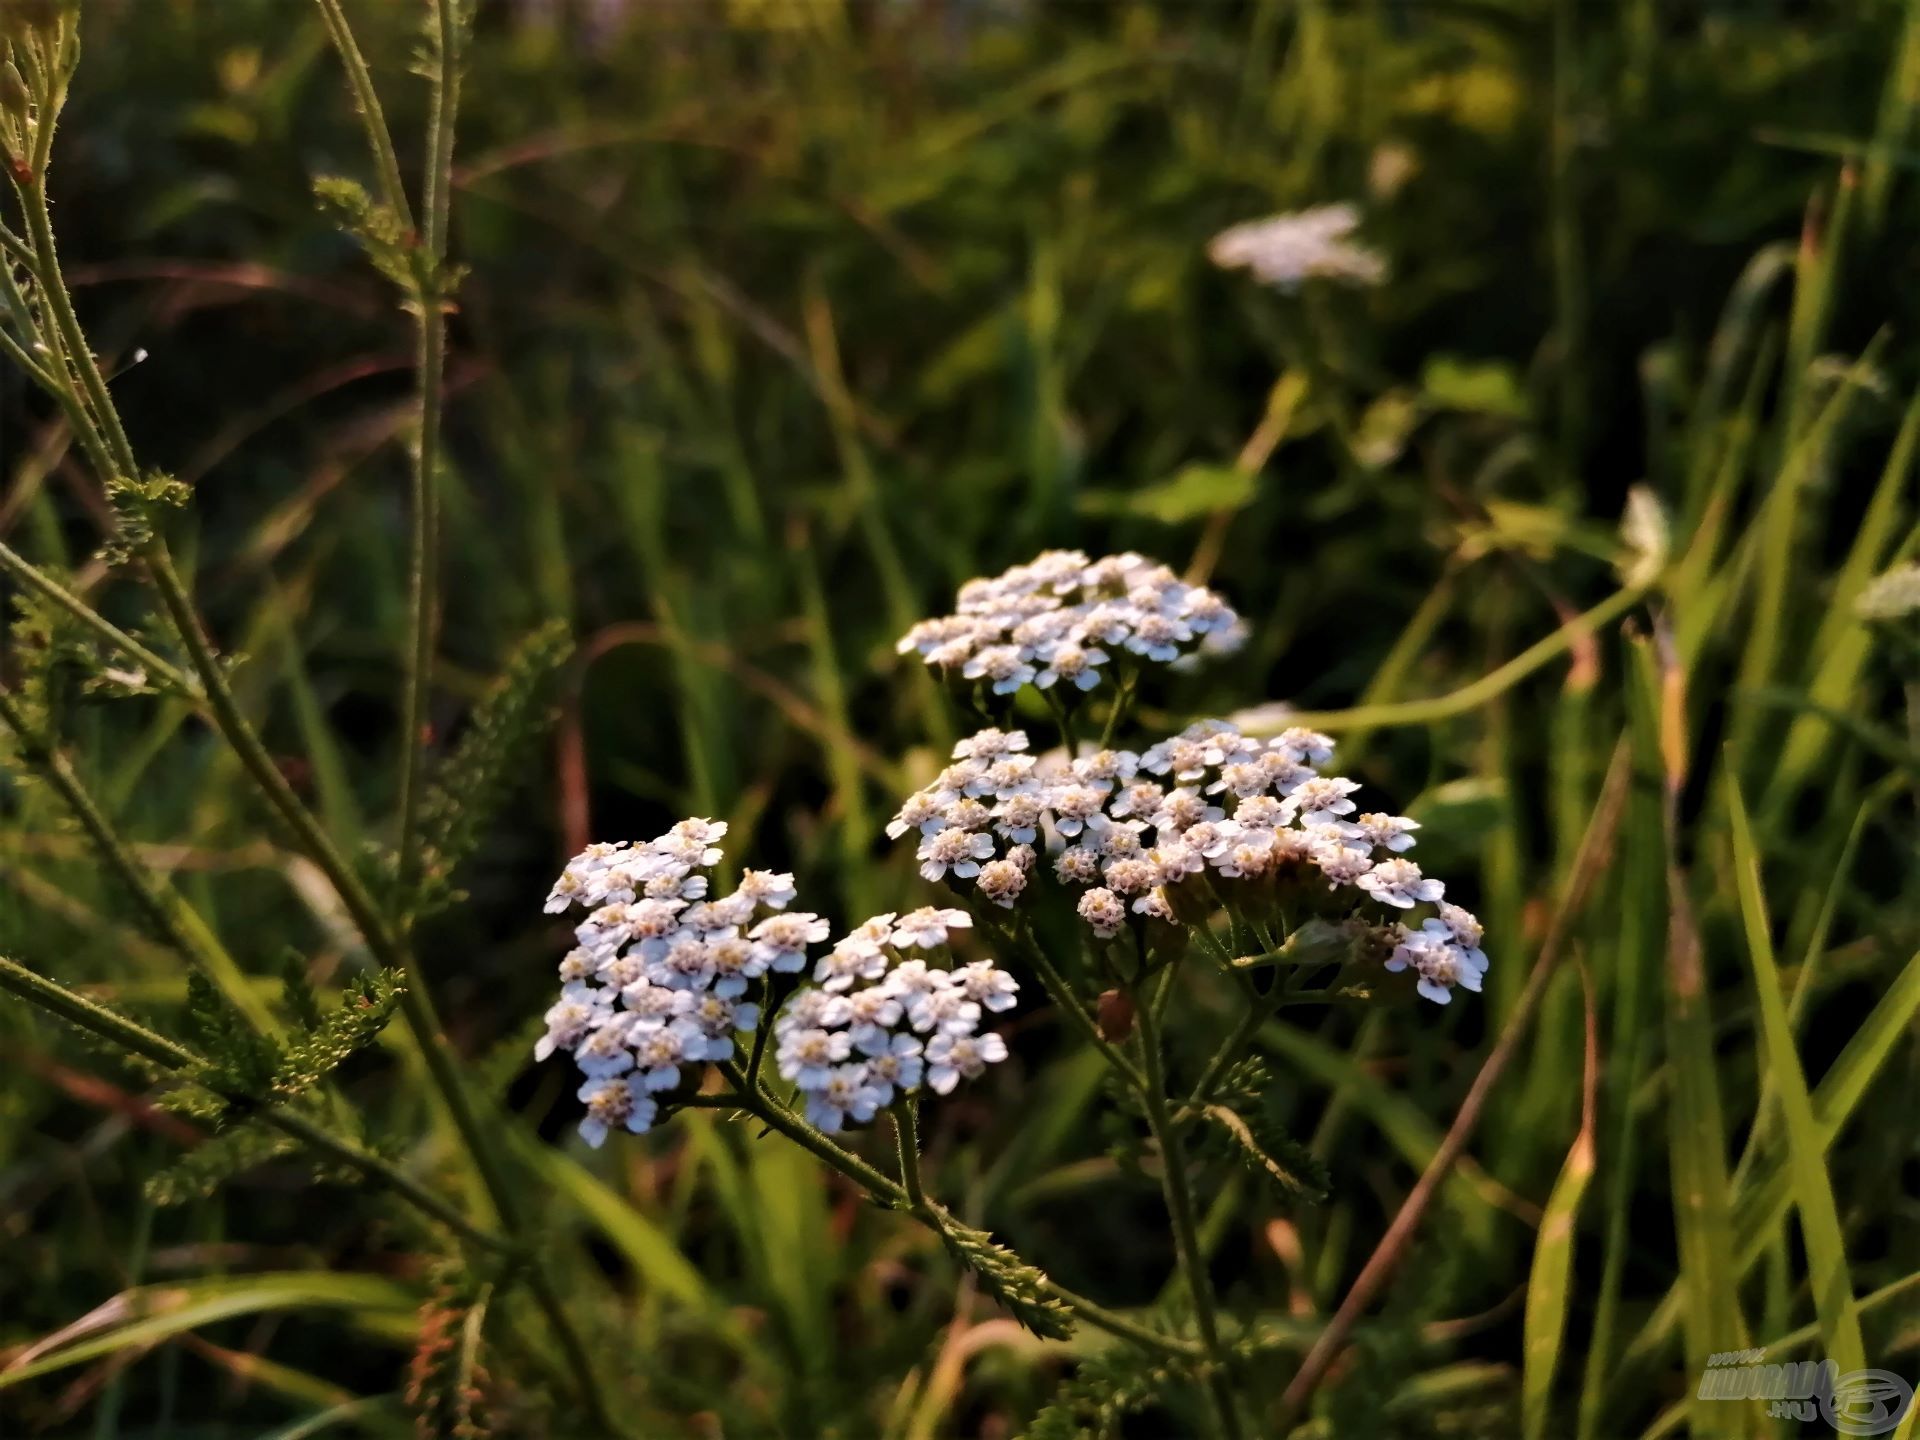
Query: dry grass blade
[1595,854]
[1550,1284]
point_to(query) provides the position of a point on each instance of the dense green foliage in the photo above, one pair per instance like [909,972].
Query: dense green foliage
[780,319]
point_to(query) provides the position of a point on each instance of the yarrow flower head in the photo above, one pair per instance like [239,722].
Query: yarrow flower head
[1147,837]
[654,990]
[1064,621]
[1288,250]
[854,1052]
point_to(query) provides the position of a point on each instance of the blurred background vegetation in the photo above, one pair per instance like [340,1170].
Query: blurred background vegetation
[785,317]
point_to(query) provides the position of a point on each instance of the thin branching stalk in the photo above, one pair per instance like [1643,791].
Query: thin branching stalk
[906,1133]
[82,392]
[37,580]
[423,561]
[894,1195]
[366,100]
[1178,1190]
[117,1029]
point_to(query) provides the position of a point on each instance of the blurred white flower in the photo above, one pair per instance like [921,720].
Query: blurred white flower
[1288,250]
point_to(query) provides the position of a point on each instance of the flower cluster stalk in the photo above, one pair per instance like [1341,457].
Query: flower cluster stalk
[73,378]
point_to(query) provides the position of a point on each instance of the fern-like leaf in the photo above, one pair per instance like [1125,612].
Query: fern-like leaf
[364,1012]
[203,1169]
[1103,1392]
[478,777]
[1020,1287]
[239,1060]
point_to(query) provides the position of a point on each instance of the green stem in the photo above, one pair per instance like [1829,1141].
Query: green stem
[906,1134]
[777,1117]
[367,101]
[1179,1197]
[423,561]
[1122,702]
[113,454]
[98,1020]
[1068,1004]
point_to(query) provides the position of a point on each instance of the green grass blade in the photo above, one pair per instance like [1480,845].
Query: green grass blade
[1806,1146]
[1550,1283]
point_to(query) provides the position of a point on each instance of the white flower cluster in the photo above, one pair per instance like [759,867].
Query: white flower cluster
[882,1019]
[655,987]
[1288,250]
[1209,801]
[1059,618]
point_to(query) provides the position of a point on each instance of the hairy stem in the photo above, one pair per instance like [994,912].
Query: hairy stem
[1175,1185]
[36,579]
[777,1117]
[1069,1005]
[906,1134]
[423,561]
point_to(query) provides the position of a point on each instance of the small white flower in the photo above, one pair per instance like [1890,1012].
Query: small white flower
[578,1011]
[770,888]
[1077,666]
[927,928]
[990,744]
[921,812]
[605,1050]
[1001,881]
[842,1096]
[871,1014]
[847,962]
[1399,882]
[946,1009]
[1341,865]
[1385,832]
[1317,800]
[735,962]
[611,1102]
[1077,865]
[686,965]
[1141,801]
[1104,911]
[807,1057]
[649,1003]
[1158,637]
[896,1068]
[950,1058]
[813,1010]
[1464,931]
[1017,818]
[1182,809]
[1153,905]
[660,1050]
[1303,746]
[1175,860]
[960,851]
[782,940]
[1002,666]
[985,982]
